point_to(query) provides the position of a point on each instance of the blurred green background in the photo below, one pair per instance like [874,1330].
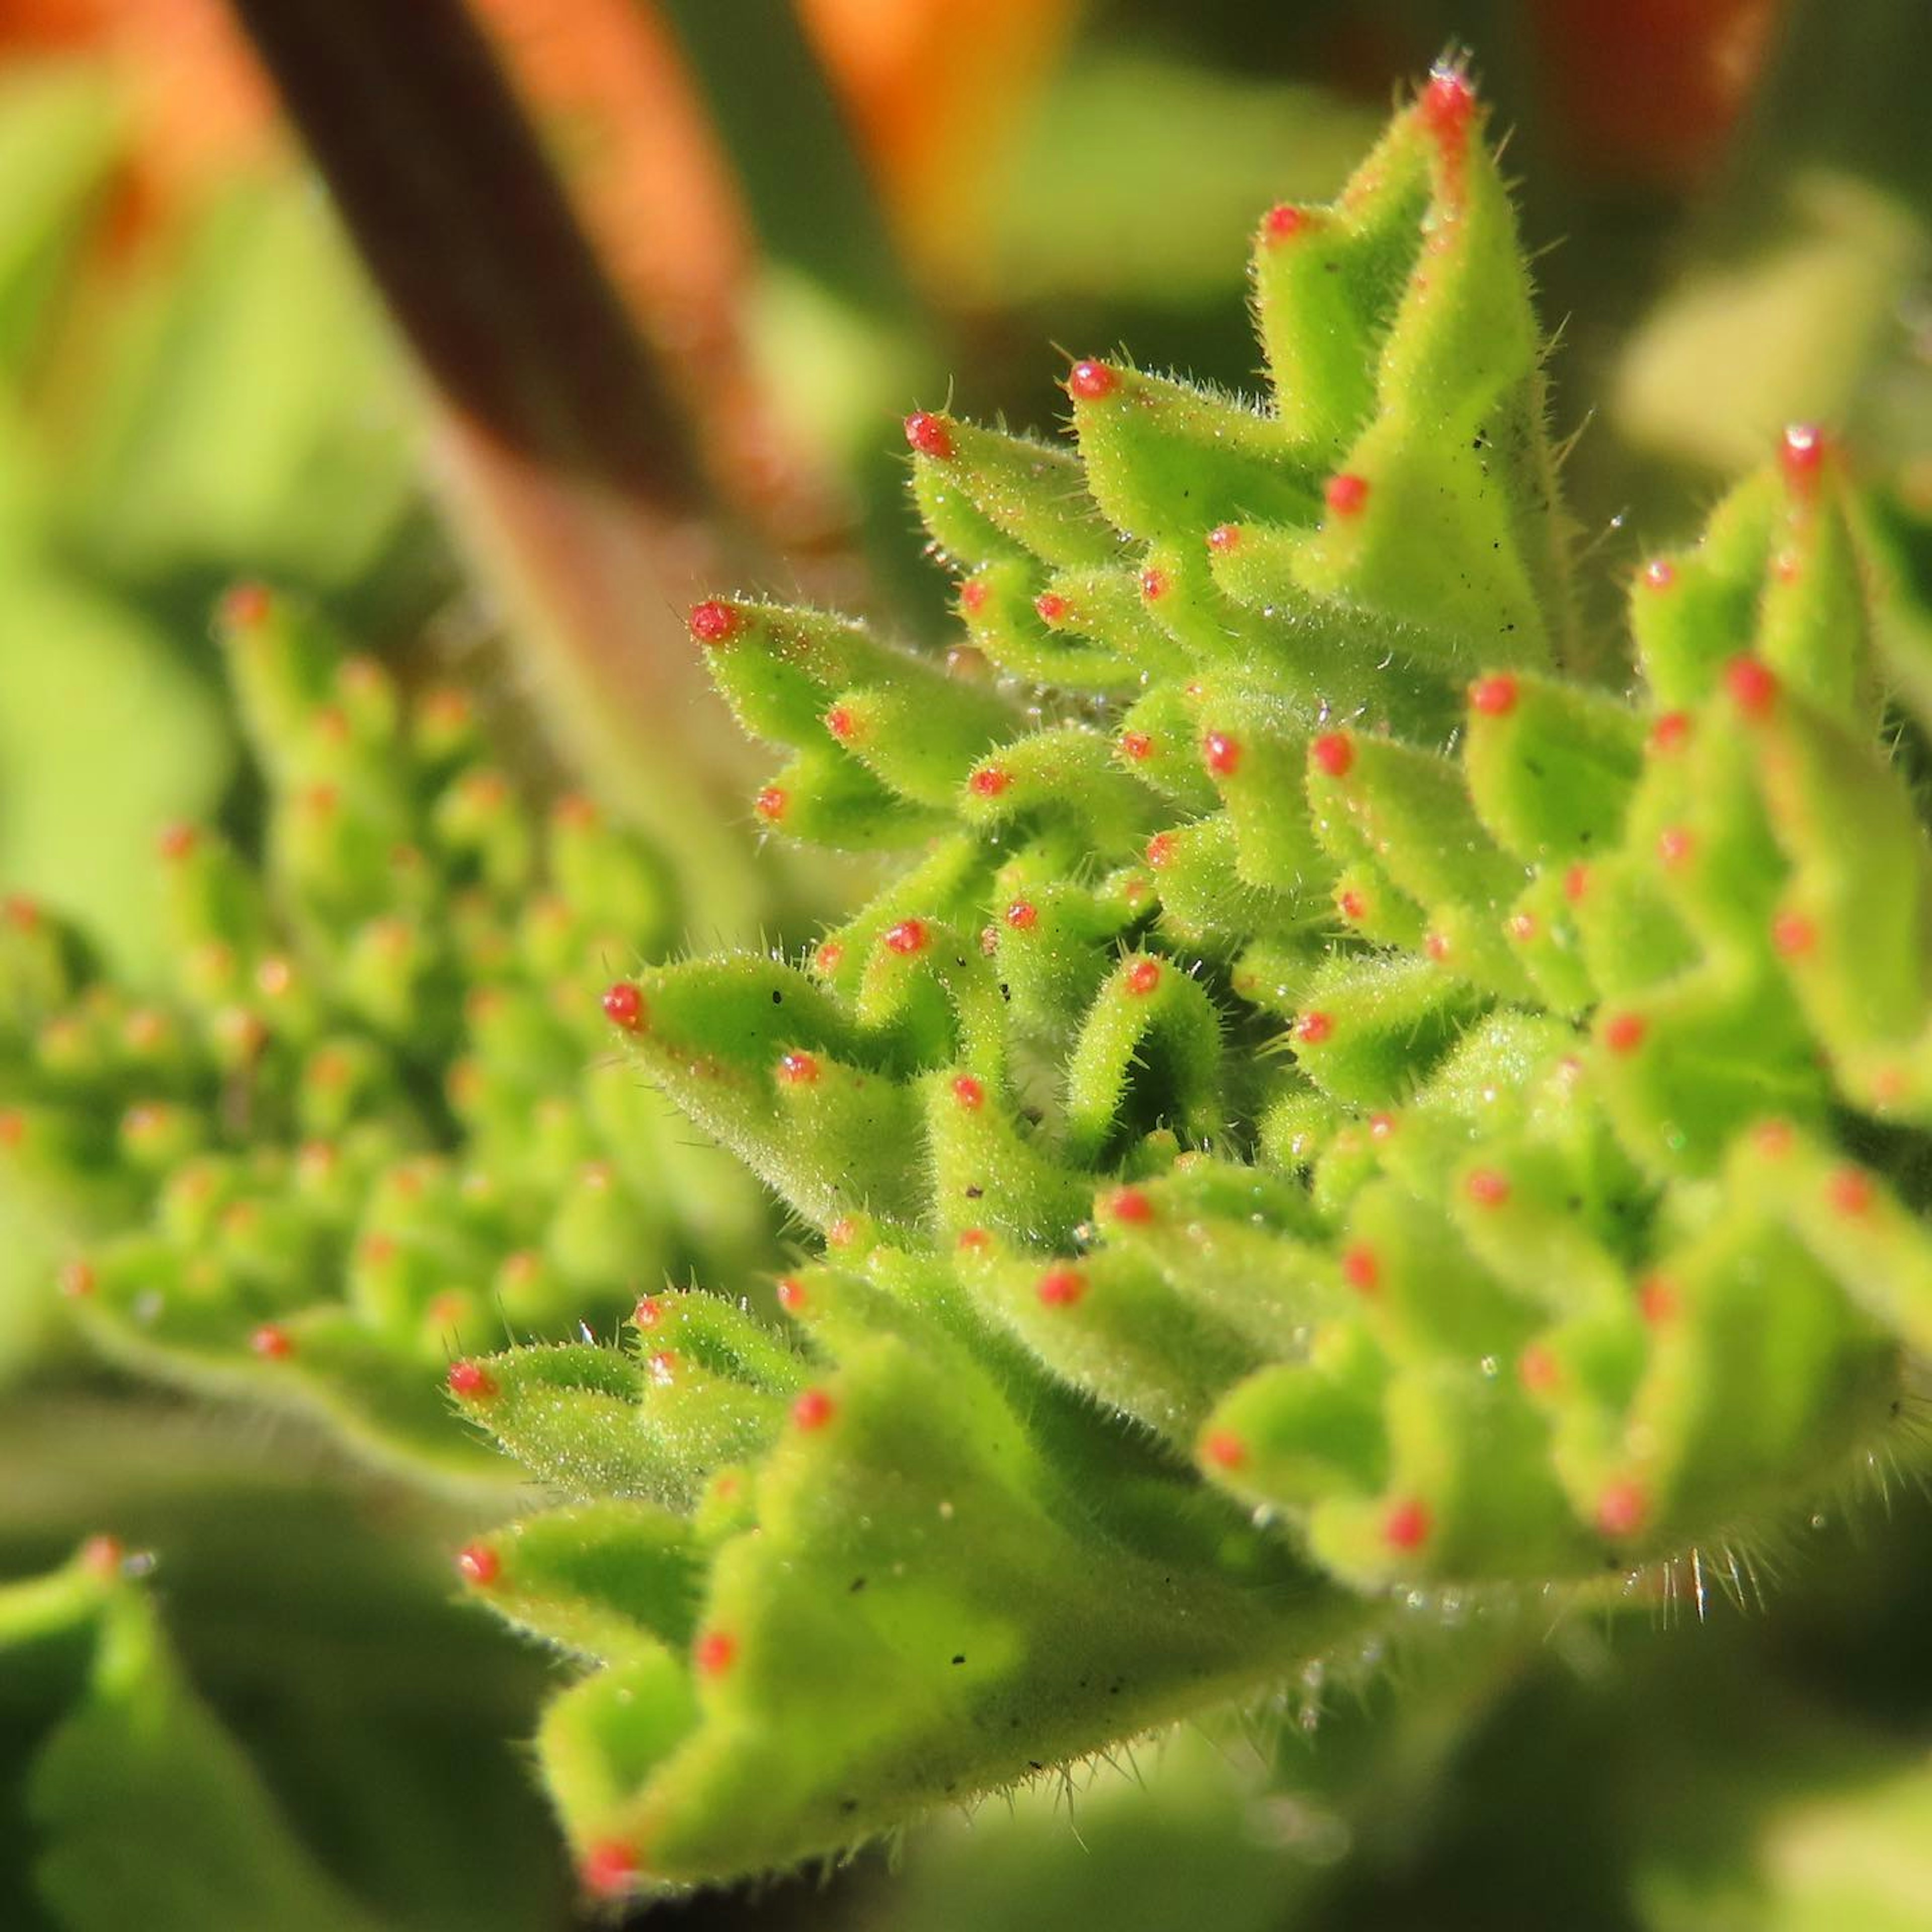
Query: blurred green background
[814,219]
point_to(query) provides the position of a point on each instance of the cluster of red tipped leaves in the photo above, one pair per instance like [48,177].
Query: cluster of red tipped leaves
[1327,1089]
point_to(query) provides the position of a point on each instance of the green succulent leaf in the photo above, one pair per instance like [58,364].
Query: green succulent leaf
[1334,1103]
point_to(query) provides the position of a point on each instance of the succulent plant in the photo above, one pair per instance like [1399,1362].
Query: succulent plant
[371,1122]
[1353,1096]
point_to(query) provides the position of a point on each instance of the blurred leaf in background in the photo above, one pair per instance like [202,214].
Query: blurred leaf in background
[189,389]
[285,1720]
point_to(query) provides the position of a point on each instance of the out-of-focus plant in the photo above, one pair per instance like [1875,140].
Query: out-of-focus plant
[364,1126]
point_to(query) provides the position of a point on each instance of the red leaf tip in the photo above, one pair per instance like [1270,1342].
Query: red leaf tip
[713,622]
[929,435]
[624,1005]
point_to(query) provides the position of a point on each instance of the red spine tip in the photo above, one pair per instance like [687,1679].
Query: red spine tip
[649,1311]
[813,1409]
[1143,976]
[969,1093]
[1334,751]
[1091,381]
[1576,883]
[1656,1300]
[1623,1033]
[929,435]
[1351,904]
[1061,1287]
[1128,1205]
[1136,745]
[1160,850]
[1537,1369]
[624,1006]
[1221,753]
[1493,697]
[1670,732]
[1381,1125]
[1407,1525]
[1793,935]
[906,938]
[840,722]
[827,957]
[1753,684]
[989,781]
[471,1381]
[790,1294]
[1051,606]
[1346,494]
[246,605]
[1447,104]
[842,1233]
[1522,928]
[1154,584]
[770,804]
[478,1564]
[1361,1268]
[1284,221]
[1676,845]
[1436,945]
[103,1556]
[973,596]
[1850,1191]
[1022,916]
[272,1342]
[1312,1029]
[1225,537]
[1659,574]
[1801,457]
[1622,1509]
[797,1069]
[973,1240]
[1487,1188]
[714,1653]
[713,622]
[1224,1449]
[609,1869]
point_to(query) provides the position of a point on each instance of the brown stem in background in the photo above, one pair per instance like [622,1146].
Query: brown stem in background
[568,456]
[442,183]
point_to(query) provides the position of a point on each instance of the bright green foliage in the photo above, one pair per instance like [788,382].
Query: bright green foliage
[372,1119]
[1329,1094]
